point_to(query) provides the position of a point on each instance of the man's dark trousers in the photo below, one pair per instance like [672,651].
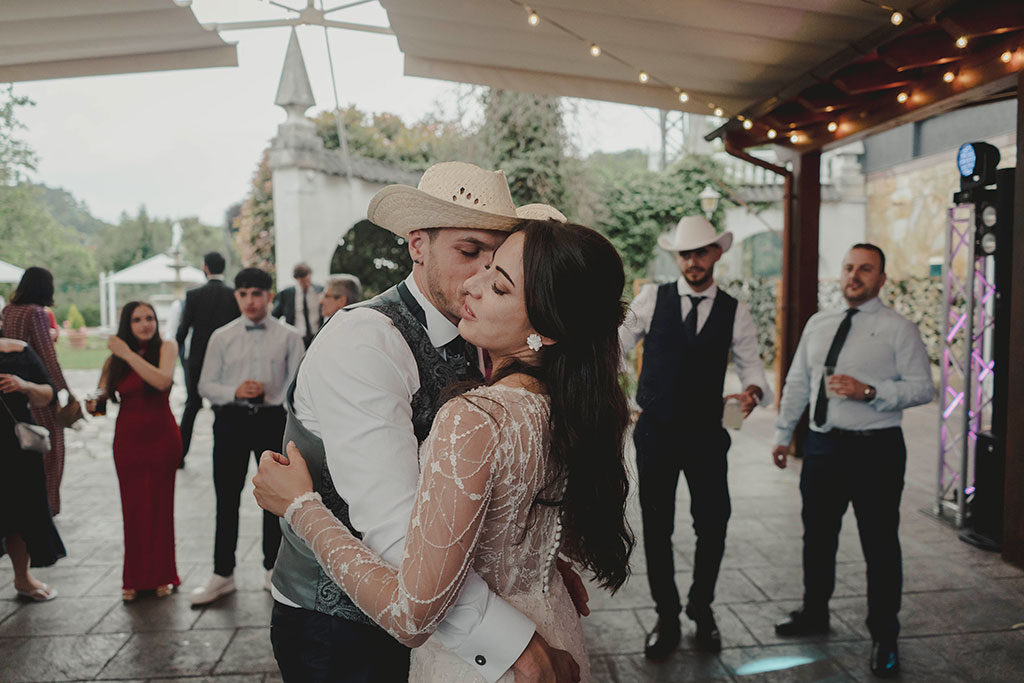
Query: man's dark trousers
[320,648]
[866,469]
[193,404]
[700,451]
[237,432]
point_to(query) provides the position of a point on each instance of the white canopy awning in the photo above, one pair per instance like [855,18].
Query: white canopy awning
[724,53]
[41,39]
[10,272]
[154,271]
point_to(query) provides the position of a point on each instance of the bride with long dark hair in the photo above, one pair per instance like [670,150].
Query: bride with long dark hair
[515,472]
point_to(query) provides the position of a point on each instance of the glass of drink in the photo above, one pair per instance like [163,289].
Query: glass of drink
[96,403]
[732,415]
[830,393]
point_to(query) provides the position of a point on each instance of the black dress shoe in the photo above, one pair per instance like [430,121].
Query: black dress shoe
[885,659]
[663,640]
[707,638]
[802,623]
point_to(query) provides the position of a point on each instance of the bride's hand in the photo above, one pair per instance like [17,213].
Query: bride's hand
[281,480]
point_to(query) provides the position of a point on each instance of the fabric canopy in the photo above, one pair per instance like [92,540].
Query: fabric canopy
[156,270]
[10,272]
[41,39]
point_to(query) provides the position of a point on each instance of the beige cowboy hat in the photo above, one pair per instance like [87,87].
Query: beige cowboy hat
[452,194]
[540,212]
[694,232]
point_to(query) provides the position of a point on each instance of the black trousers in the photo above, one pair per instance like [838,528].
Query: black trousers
[193,404]
[237,432]
[311,647]
[865,469]
[662,450]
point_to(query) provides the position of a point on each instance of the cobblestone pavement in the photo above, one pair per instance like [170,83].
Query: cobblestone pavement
[960,604]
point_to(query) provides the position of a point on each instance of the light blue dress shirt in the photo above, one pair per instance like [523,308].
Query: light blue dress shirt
[883,350]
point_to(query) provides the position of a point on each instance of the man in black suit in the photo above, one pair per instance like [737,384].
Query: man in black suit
[206,308]
[300,306]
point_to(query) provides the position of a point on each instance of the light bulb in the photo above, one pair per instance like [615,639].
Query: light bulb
[718,111]
[902,97]
[748,124]
[1006,57]
[643,76]
[832,126]
[595,51]
[771,133]
[683,97]
[794,138]
[948,76]
[533,18]
[961,42]
[896,18]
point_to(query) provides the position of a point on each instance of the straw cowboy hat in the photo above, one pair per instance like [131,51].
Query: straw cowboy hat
[694,232]
[540,212]
[452,194]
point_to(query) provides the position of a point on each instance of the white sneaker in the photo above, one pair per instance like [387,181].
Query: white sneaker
[268,580]
[216,587]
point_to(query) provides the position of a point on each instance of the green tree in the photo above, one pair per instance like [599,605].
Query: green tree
[16,156]
[379,258]
[133,239]
[255,222]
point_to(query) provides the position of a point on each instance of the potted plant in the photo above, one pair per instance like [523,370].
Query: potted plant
[76,335]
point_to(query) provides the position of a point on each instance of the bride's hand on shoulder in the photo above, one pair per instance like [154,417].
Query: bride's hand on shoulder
[281,479]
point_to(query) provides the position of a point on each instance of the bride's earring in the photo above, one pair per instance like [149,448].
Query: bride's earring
[533,341]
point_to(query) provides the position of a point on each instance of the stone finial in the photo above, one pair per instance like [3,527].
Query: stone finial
[294,92]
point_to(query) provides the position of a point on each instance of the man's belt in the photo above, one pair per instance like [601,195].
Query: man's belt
[862,433]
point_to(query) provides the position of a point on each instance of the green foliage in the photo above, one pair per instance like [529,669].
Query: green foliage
[255,222]
[377,257]
[16,156]
[68,211]
[75,319]
[133,239]
[637,206]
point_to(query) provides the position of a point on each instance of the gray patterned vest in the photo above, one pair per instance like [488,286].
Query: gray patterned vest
[297,573]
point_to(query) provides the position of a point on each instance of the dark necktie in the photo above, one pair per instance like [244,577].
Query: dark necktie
[305,314]
[260,326]
[691,317]
[821,405]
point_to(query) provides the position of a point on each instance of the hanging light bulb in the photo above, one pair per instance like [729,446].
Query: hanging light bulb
[532,17]
[896,18]
[961,42]
[595,51]
[832,126]
[643,76]
[903,97]
[771,133]
[748,124]
[1006,57]
[948,77]
[718,111]
[794,138]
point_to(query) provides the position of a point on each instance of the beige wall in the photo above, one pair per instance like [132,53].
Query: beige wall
[908,208]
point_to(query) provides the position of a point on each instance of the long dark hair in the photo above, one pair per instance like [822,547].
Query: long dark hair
[573,280]
[118,368]
[36,287]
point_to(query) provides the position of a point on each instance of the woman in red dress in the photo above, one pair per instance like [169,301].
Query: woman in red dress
[147,447]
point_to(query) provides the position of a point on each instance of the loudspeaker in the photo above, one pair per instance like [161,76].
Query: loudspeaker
[986,523]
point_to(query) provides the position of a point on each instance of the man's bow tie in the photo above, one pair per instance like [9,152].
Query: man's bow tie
[259,326]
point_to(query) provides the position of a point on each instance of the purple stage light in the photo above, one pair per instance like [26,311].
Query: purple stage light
[952,406]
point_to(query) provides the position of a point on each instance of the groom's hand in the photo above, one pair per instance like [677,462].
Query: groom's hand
[574,584]
[541,663]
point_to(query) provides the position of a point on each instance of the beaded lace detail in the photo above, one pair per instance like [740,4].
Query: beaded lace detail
[483,464]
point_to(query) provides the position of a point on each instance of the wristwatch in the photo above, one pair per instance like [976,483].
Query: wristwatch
[869,393]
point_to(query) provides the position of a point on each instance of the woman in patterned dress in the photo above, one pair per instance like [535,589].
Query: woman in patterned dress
[25,318]
[515,472]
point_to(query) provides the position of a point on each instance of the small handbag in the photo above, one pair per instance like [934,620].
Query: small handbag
[70,412]
[30,437]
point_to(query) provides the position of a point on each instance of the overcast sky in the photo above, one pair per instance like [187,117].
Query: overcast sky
[186,143]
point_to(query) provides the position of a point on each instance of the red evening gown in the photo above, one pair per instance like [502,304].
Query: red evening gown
[147,450]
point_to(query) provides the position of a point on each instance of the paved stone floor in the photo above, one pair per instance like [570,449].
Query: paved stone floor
[959,611]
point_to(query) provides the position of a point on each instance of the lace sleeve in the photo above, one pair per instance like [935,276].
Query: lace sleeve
[451,503]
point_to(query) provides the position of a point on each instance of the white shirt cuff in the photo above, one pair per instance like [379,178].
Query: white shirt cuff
[491,657]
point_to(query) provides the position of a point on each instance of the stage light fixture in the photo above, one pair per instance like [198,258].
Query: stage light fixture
[977,163]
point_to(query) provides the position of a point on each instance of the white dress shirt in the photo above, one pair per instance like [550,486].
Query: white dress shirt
[354,391]
[745,354]
[236,354]
[883,349]
[310,299]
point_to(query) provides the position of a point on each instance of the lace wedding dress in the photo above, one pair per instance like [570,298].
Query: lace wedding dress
[481,467]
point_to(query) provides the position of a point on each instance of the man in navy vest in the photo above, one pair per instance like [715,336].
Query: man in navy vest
[690,328]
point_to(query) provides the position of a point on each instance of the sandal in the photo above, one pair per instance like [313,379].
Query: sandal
[41,594]
[164,590]
[128,594]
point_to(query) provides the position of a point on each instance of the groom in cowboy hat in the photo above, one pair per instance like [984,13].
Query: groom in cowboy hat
[690,328]
[363,400]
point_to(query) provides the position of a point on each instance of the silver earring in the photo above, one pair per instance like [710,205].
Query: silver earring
[533,341]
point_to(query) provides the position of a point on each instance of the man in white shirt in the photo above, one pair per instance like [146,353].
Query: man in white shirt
[690,328]
[857,369]
[248,366]
[299,305]
[363,400]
